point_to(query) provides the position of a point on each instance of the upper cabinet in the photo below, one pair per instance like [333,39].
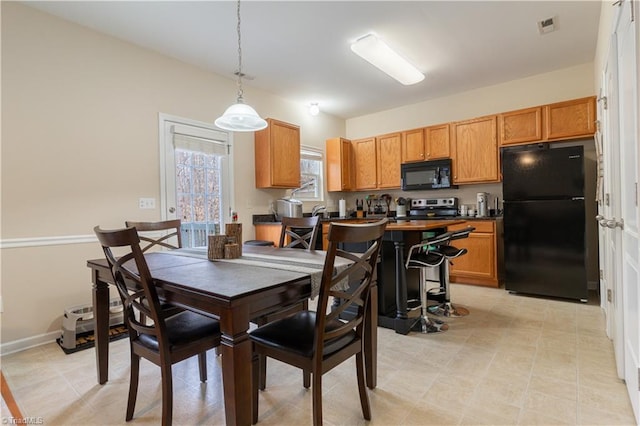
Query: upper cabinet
[548,123]
[428,143]
[364,162]
[413,145]
[570,119]
[389,157]
[377,161]
[475,150]
[339,165]
[277,155]
[522,126]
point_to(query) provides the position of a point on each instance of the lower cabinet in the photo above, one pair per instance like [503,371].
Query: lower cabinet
[268,232]
[480,264]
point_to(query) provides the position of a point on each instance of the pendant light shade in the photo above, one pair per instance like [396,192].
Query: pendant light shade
[240,117]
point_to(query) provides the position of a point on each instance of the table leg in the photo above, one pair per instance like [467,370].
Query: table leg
[371,339]
[236,367]
[101,327]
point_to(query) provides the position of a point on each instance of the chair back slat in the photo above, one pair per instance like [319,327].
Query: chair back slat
[303,231]
[361,276]
[147,232]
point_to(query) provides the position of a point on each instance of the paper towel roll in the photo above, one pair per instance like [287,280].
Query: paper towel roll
[342,206]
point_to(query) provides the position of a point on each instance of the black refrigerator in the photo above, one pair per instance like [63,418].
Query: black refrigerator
[544,221]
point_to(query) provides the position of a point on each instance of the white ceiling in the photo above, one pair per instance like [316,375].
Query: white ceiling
[299,50]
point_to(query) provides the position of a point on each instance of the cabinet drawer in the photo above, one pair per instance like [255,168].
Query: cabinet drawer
[480,225]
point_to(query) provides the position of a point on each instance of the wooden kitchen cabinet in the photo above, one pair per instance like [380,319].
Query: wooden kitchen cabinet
[521,126]
[570,119]
[277,155]
[364,162]
[268,232]
[475,150]
[428,143]
[339,165]
[413,145]
[480,264]
[389,157]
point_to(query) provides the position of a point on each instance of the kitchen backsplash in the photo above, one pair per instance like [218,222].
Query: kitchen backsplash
[466,195]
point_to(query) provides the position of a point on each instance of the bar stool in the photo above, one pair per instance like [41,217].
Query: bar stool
[442,293]
[423,256]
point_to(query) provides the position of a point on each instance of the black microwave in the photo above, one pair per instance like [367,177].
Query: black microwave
[424,175]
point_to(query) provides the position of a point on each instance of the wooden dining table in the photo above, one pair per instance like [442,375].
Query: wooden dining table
[234,292]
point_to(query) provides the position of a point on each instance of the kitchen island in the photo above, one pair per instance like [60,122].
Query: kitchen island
[395,283]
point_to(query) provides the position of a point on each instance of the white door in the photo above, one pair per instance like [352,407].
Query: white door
[607,142]
[628,223]
[196,177]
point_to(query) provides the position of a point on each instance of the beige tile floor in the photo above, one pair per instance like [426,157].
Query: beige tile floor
[513,360]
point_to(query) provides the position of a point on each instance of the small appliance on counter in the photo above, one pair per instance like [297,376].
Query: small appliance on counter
[288,207]
[433,208]
[482,204]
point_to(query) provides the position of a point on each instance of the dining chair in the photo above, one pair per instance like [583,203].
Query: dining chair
[303,231]
[169,339]
[146,232]
[316,342]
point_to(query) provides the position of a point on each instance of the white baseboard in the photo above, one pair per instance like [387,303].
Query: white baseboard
[29,342]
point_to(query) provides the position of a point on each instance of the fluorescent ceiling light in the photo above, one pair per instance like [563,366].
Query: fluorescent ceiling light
[377,53]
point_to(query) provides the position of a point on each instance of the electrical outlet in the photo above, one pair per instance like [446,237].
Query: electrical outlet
[147,203]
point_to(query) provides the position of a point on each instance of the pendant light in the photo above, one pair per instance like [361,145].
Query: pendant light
[240,117]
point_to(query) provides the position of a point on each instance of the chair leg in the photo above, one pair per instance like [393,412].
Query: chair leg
[317,399]
[262,371]
[362,386]
[167,394]
[306,379]
[133,385]
[256,374]
[202,364]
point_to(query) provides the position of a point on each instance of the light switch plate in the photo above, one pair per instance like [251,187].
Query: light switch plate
[147,203]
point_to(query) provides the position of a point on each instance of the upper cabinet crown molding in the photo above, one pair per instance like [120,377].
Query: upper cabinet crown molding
[277,155]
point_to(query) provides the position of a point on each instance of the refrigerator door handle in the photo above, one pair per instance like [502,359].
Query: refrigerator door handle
[577,198]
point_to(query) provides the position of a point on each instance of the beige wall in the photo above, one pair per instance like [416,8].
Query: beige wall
[80,147]
[568,83]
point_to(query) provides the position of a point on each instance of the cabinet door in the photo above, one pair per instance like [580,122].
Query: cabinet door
[413,145]
[277,155]
[475,156]
[570,119]
[364,151]
[389,156]
[268,232]
[520,126]
[479,264]
[437,142]
[339,165]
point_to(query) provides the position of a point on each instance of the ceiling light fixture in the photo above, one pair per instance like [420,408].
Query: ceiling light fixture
[240,117]
[314,109]
[380,55]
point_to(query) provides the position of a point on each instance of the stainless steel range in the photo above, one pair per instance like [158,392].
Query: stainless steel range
[433,208]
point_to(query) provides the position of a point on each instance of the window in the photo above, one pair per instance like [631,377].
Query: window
[311,175]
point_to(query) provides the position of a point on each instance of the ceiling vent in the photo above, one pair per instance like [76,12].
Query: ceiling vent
[546,26]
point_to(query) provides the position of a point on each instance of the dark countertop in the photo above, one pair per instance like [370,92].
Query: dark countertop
[270,219]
